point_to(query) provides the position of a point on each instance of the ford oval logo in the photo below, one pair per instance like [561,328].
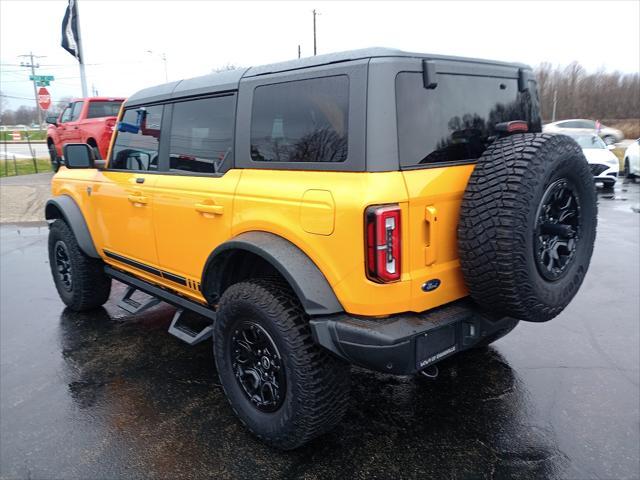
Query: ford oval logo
[431,285]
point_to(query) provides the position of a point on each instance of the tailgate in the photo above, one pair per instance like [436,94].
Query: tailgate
[434,195]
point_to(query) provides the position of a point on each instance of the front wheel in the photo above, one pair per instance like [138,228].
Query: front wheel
[79,279]
[53,155]
[286,389]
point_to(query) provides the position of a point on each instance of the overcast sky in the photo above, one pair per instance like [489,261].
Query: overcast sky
[199,36]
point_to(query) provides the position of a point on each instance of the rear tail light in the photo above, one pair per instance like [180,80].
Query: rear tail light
[111,123]
[383,238]
[515,126]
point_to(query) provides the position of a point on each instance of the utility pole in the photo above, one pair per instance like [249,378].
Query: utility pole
[298,50]
[555,101]
[315,50]
[33,65]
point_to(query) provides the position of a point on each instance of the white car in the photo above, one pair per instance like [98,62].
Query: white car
[578,126]
[604,164]
[632,160]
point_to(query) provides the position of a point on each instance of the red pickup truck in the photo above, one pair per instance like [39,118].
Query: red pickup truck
[84,120]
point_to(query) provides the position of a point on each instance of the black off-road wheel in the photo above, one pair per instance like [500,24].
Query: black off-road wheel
[79,279]
[527,226]
[286,389]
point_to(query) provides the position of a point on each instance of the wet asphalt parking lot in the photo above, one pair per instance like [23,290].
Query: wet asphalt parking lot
[104,395]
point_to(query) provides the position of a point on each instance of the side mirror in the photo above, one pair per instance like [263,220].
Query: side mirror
[52,120]
[78,155]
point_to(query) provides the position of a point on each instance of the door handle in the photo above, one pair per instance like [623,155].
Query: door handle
[431,219]
[209,208]
[141,199]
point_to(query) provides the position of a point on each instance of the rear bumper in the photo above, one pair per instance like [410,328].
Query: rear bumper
[407,343]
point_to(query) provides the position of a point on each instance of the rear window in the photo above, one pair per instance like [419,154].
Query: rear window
[201,136]
[99,109]
[456,121]
[301,121]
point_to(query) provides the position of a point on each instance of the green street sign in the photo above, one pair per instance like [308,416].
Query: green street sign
[42,78]
[42,83]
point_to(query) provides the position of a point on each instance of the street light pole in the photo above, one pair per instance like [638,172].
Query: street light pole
[314,32]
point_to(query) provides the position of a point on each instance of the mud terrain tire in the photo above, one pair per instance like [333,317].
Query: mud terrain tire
[79,279]
[527,226]
[315,384]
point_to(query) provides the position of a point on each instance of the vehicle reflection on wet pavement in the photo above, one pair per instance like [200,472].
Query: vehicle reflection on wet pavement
[108,395]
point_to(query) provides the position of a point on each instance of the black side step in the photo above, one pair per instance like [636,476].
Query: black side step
[187,334]
[177,328]
[132,306]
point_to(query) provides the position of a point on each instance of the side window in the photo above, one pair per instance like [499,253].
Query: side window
[138,151]
[75,113]
[301,121]
[66,114]
[586,124]
[98,109]
[201,137]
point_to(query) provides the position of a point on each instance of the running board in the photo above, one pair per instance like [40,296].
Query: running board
[134,307]
[178,328]
[186,333]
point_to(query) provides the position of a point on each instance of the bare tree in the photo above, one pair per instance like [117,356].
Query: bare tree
[580,94]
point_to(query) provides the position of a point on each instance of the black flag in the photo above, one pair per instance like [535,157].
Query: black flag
[70,37]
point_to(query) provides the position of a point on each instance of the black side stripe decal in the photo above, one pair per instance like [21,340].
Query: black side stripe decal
[152,270]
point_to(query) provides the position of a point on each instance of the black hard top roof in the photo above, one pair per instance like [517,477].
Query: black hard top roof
[228,80]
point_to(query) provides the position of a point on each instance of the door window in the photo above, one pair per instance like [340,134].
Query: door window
[138,151]
[201,137]
[66,114]
[301,121]
[75,113]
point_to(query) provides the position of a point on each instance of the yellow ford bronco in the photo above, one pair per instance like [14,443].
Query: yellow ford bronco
[374,207]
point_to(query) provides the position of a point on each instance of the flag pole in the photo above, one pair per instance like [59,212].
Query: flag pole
[83,75]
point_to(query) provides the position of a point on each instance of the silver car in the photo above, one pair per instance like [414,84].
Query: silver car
[576,126]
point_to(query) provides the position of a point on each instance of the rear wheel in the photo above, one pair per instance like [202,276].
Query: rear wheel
[527,226]
[94,146]
[79,279]
[286,389]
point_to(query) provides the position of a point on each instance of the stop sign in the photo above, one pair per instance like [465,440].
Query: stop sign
[44,99]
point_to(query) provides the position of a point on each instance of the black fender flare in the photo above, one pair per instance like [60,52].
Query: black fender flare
[65,207]
[306,279]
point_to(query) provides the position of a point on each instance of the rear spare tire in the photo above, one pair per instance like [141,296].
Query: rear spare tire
[527,226]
